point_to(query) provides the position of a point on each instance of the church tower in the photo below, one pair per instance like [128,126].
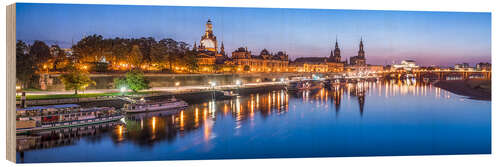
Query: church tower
[222,52]
[361,52]
[336,52]
[360,58]
[208,41]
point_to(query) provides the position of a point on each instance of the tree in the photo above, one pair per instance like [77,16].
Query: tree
[58,56]
[133,80]
[135,56]
[159,53]
[90,49]
[76,79]
[119,50]
[191,62]
[40,53]
[172,51]
[25,64]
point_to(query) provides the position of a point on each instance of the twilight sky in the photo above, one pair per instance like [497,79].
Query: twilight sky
[430,38]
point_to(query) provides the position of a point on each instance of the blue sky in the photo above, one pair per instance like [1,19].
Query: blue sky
[430,38]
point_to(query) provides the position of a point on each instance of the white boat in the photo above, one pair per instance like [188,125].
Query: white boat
[144,106]
[229,93]
[40,118]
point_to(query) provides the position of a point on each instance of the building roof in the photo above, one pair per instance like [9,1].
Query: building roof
[47,107]
[311,59]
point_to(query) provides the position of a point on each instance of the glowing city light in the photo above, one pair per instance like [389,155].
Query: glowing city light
[212,84]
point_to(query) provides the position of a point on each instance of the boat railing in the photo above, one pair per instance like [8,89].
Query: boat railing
[79,120]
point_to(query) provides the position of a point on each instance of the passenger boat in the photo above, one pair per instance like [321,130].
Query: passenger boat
[40,118]
[229,93]
[305,85]
[146,106]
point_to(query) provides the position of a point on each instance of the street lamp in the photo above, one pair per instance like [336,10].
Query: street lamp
[238,82]
[212,85]
[123,89]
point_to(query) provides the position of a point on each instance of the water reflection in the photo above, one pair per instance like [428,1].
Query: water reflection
[148,129]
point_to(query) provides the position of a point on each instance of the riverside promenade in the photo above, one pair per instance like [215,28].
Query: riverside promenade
[152,92]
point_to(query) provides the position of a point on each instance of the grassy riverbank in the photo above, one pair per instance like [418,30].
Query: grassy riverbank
[81,95]
[474,89]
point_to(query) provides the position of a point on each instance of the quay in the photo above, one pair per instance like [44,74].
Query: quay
[187,93]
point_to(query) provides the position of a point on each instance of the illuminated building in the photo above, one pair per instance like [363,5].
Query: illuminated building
[244,61]
[407,65]
[319,64]
[360,59]
[483,66]
[208,55]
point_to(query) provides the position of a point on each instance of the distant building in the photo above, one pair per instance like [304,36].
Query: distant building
[360,59]
[335,55]
[407,65]
[208,53]
[332,63]
[244,61]
[483,66]
[309,64]
[463,66]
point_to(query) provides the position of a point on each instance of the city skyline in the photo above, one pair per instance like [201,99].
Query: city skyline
[430,38]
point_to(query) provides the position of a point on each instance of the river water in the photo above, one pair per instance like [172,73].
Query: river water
[363,119]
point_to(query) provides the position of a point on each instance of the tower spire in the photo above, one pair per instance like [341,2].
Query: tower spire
[336,43]
[361,52]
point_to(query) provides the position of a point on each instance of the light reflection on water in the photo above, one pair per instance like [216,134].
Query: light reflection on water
[360,119]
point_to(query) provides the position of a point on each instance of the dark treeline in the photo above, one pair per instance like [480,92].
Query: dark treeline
[135,53]
[97,54]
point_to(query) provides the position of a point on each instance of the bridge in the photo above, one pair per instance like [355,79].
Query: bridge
[439,74]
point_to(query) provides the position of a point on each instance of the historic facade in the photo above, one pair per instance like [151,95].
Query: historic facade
[209,56]
[244,61]
[360,59]
[332,63]
[335,54]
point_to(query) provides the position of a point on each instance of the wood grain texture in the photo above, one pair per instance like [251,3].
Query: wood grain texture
[11,83]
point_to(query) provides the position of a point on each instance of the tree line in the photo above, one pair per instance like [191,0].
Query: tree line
[97,54]
[163,54]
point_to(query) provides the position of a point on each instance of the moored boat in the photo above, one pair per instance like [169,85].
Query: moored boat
[229,93]
[39,118]
[305,85]
[146,106]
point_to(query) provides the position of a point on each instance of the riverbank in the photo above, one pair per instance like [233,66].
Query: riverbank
[474,89]
[106,98]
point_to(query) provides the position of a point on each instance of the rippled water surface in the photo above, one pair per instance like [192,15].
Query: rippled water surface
[363,119]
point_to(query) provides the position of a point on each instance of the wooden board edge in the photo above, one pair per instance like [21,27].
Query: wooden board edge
[11,83]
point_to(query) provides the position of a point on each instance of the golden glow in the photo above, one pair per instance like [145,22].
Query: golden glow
[153,124]
[196,118]
[182,120]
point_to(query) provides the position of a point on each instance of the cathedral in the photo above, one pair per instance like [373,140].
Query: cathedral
[335,54]
[211,58]
[360,59]
[208,52]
